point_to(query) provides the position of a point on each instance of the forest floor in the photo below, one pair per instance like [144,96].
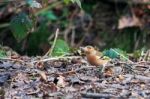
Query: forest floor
[72,78]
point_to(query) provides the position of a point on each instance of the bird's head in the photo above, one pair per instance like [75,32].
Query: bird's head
[88,50]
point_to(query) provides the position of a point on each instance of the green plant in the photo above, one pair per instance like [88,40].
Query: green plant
[2,53]
[31,29]
[21,25]
[116,53]
[60,48]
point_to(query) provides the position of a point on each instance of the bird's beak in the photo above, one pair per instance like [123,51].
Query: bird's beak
[83,49]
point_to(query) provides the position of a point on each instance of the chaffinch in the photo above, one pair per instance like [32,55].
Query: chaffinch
[93,56]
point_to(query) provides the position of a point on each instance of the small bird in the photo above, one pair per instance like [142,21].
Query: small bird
[93,56]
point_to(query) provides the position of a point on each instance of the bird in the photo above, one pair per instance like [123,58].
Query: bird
[93,56]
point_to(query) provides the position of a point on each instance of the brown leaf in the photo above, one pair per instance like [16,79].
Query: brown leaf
[43,76]
[61,82]
[121,77]
[129,21]
[108,72]
[40,65]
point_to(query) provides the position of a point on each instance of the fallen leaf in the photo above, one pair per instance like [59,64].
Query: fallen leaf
[120,77]
[61,82]
[40,65]
[129,21]
[108,72]
[43,76]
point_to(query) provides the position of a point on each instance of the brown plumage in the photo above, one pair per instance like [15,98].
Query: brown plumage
[93,56]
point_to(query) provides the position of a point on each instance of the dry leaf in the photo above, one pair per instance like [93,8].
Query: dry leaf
[142,86]
[40,65]
[108,72]
[120,77]
[43,76]
[61,81]
[129,21]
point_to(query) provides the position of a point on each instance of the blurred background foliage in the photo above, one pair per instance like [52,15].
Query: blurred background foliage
[29,26]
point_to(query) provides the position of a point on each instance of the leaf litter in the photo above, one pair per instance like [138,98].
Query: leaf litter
[72,78]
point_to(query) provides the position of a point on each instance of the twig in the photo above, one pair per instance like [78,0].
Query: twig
[34,92]
[142,78]
[85,67]
[146,55]
[97,95]
[103,68]
[56,58]
[56,35]
[4,25]
[51,49]
[3,58]
[73,37]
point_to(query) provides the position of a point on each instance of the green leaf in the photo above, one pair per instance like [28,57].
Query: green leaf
[38,37]
[60,48]
[78,2]
[49,15]
[67,1]
[2,53]
[137,54]
[116,53]
[20,26]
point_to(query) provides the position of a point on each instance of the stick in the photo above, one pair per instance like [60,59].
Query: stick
[51,49]
[96,95]
[85,67]
[56,58]
[3,58]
